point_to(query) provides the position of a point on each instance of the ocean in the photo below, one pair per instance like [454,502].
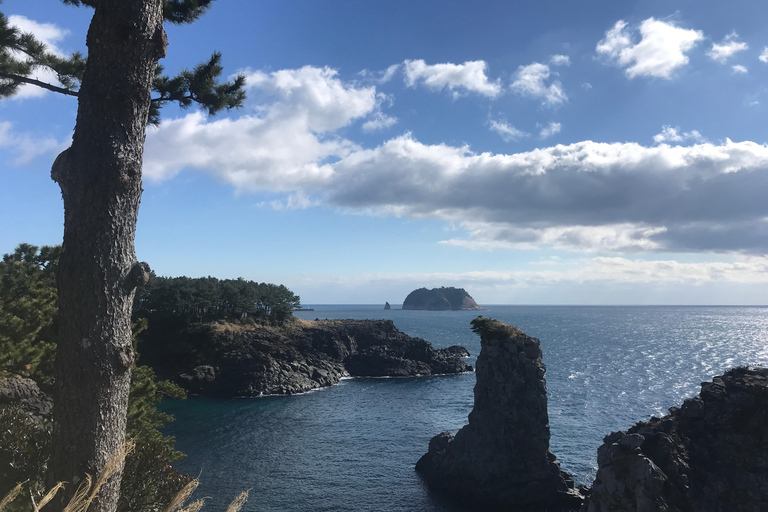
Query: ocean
[352,447]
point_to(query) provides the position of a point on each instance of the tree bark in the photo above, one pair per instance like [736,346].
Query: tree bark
[100,180]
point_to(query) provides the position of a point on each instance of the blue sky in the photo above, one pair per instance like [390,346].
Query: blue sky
[530,152]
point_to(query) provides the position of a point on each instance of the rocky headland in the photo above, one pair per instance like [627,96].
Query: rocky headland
[231,359]
[501,459]
[440,299]
[710,455]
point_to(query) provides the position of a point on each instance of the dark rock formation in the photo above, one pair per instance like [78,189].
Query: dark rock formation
[440,299]
[246,361]
[501,459]
[24,395]
[710,455]
[387,306]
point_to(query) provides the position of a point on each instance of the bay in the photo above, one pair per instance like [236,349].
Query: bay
[352,447]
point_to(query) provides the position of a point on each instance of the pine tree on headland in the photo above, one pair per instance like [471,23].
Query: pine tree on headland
[100,180]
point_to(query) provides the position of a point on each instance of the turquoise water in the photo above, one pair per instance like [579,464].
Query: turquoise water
[352,447]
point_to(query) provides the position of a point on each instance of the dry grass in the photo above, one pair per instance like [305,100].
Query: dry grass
[89,489]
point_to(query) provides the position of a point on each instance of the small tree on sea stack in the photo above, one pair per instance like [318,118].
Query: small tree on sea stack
[100,180]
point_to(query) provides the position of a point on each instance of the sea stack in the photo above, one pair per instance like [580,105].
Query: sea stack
[709,455]
[501,459]
[387,306]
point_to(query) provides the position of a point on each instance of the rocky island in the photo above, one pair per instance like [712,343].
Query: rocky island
[440,299]
[250,360]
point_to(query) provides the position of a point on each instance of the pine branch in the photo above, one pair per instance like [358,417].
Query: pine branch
[32,81]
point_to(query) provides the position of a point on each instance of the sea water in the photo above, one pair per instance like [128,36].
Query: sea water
[352,447]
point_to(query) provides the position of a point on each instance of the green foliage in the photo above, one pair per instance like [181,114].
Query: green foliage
[490,328]
[198,86]
[179,301]
[149,482]
[21,55]
[28,312]
[28,309]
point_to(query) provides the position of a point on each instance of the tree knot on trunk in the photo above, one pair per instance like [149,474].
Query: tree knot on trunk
[125,357]
[137,276]
[60,167]
[161,42]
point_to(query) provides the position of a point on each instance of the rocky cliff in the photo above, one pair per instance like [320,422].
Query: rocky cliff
[440,299]
[501,459]
[710,455]
[246,361]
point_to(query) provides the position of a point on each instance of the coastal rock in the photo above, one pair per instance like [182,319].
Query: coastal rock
[23,394]
[501,459]
[246,361]
[710,455]
[387,307]
[440,299]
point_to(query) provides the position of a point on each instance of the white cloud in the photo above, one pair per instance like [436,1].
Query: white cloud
[380,121]
[560,60]
[550,130]
[660,52]
[721,52]
[389,73]
[739,69]
[670,134]
[469,77]
[288,147]
[50,35]
[507,132]
[47,33]
[764,55]
[531,81]
[25,147]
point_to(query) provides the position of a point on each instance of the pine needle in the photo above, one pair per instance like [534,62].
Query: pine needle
[181,496]
[10,496]
[238,503]
[48,497]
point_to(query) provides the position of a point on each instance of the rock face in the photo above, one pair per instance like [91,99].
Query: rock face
[501,459]
[234,360]
[710,455]
[440,299]
[24,394]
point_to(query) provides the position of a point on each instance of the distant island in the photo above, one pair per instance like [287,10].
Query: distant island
[440,299]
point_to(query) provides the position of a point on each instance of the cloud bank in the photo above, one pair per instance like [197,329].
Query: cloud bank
[586,196]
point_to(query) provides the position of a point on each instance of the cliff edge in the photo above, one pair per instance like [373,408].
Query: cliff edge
[710,455]
[501,459]
[440,299]
[232,359]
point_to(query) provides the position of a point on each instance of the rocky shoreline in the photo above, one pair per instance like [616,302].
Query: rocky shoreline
[709,455]
[234,360]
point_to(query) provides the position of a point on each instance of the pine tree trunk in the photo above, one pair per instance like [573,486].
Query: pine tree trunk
[100,180]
